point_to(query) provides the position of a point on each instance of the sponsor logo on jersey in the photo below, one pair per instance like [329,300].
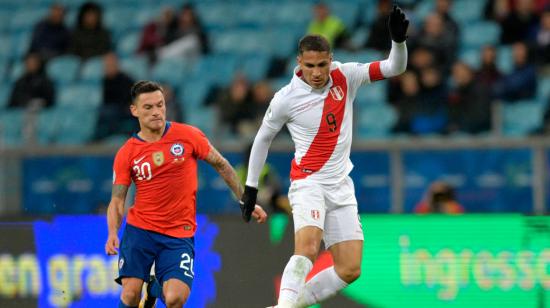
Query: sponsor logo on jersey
[337,93]
[315,214]
[136,161]
[158,158]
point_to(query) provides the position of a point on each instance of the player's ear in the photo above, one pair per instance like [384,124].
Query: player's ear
[133,109]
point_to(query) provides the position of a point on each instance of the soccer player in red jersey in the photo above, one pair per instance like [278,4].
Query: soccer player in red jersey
[161,159]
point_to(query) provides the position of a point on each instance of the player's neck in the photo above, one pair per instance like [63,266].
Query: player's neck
[151,135]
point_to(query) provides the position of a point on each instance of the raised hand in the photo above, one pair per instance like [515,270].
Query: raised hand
[398,24]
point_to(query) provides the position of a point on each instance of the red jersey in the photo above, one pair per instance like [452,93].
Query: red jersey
[165,175]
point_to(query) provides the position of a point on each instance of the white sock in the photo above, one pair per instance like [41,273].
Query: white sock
[320,287]
[293,280]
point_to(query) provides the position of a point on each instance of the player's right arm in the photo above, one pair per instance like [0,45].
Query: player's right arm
[115,213]
[275,117]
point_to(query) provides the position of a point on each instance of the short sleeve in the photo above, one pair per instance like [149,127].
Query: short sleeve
[276,115]
[200,142]
[121,168]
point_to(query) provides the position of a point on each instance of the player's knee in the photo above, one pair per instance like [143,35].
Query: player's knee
[174,299]
[130,297]
[349,274]
[309,250]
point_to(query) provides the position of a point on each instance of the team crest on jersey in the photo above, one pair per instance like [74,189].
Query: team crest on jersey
[177,149]
[337,93]
[158,158]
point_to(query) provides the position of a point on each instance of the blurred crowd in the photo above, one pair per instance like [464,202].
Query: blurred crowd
[448,87]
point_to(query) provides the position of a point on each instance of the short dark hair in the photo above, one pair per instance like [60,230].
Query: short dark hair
[313,42]
[144,86]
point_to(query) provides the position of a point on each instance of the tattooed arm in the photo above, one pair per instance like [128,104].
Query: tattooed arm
[226,171]
[115,213]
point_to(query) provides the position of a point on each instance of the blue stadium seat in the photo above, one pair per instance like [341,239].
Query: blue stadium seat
[471,56]
[5,20]
[192,94]
[26,17]
[203,118]
[375,121]
[17,69]
[363,56]
[77,125]
[505,61]
[467,11]
[64,69]
[216,68]
[348,12]
[3,71]
[20,43]
[423,9]
[372,93]
[11,126]
[92,70]
[171,71]
[521,118]
[283,40]
[254,15]
[47,126]
[219,16]
[255,66]
[119,20]
[240,41]
[80,96]
[5,92]
[128,44]
[543,89]
[137,67]
[290,12]
[475,35]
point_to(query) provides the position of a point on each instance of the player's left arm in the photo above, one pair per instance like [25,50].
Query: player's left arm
[396,63]
[227,172]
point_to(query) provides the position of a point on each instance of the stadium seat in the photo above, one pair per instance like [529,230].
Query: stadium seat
[26,17]
[80,96]
[5,47]
[11,126]
[375,121]
[63,70]
[128,44]
[77,125]
[373,93]
[471,56]
[505,62]
[135,66]
[192,94]
[475,35]
[204,119]
[543,90]
[119,20]
[92,70]
[423,9]
[171,71]
[363,56]
[216,68]
[521,118]
[348,12]
[5,19]
[47,126]
[20,43]
[5,92]
[16,71]
[289,12]
[255,66]
[467,11]
[254,15]
[219,16]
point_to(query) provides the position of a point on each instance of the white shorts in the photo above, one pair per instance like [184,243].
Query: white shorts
[332,208]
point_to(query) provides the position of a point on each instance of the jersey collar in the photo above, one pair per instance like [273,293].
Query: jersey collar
[166,128]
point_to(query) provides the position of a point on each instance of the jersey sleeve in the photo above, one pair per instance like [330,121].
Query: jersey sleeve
[200,143]
[121,168]
[362,73]
[276,115]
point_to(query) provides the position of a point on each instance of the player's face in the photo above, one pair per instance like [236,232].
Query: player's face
[315,66]
[150,109]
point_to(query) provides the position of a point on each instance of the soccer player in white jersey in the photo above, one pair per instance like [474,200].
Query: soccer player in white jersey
[317,108]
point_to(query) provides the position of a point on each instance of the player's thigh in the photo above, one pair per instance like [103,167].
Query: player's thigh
[308,204]
[176,260]
[307,241]
[136,254]
[342,224]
